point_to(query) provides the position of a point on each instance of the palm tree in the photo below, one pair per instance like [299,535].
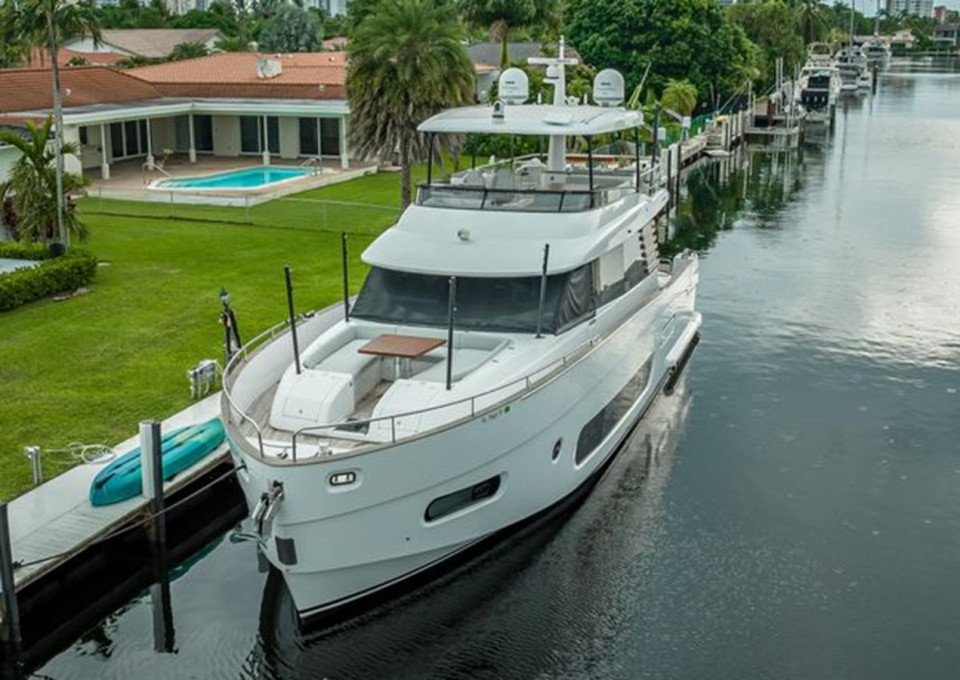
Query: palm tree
[58,21]
[810,18]
[188,50]
[502,15]
[32,185]
[680,96]
[406,63]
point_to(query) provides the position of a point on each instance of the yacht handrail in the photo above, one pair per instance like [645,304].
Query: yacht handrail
[483,197]
[528,384]
[528,381]
[241,355]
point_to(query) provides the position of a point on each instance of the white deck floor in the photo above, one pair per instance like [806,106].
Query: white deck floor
[57,517]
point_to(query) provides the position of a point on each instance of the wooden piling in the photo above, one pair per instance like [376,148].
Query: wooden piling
[151,460]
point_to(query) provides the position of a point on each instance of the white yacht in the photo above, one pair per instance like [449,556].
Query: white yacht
[877,52]
[818,88]
[515,324]
[855,73]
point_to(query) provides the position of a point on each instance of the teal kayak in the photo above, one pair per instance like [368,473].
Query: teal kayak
[123,478]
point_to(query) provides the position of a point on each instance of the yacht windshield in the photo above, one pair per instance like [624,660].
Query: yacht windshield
[507,304]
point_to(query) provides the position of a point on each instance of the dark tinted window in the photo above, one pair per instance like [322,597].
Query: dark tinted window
[308,137]
[603,423]
[493,304]
[452,502]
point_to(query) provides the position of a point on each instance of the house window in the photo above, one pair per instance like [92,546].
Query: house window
[203,133]
[249,134]
[330,136]
[308,137]
[458,500]
[273,134]
[116,140]
[131,140]
[602,424]
[83,136]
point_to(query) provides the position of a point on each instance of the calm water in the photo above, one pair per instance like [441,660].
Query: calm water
[792,511]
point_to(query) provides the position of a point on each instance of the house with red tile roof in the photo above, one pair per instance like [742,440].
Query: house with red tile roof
[227,104]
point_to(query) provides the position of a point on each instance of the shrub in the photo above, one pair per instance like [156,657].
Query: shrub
[52,276]
[17,250]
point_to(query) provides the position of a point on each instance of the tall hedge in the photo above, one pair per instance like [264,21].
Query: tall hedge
[50,277]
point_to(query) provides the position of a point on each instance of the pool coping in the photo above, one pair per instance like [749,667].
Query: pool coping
[229,197]
[305,174]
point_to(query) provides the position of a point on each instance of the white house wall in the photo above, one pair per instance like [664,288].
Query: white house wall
[226,135]
[71,163]
[91,154]
[164,134]
[8,156]
[289,137]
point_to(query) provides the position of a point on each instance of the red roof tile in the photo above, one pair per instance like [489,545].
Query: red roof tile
[41,58]
[31,89]
[307,75]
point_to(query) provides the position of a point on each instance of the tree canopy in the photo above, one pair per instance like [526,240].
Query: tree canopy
[32,184]
[680,39]
[291,29]
[406,63]
[773,26]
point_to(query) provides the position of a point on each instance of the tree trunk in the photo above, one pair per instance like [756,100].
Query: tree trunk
[58,121]
[405,174]
[504,50]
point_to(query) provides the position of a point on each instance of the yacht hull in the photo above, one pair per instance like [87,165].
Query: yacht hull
[336,545]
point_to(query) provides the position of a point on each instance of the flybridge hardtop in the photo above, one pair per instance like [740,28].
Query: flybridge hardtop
[534,119]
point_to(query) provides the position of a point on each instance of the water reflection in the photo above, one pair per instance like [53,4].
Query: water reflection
[753,184]
[521,609]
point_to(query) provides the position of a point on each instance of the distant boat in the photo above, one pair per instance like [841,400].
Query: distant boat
[123,478]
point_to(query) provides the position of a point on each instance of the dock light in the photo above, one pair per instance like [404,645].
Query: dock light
[463,234]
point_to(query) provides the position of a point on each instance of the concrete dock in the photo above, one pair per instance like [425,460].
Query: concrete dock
[56,520]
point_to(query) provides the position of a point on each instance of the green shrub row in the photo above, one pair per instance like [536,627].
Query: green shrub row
[61,274]
[17,250]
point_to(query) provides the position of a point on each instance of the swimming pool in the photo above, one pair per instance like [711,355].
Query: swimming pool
[248,178]
[9,265]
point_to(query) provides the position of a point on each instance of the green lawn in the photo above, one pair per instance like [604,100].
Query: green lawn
[88,369]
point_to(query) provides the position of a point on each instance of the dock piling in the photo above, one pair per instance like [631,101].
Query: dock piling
[10,626]
[151,461]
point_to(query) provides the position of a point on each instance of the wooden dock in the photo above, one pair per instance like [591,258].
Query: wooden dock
[55,521]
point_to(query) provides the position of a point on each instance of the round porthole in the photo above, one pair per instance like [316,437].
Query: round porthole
[557,448]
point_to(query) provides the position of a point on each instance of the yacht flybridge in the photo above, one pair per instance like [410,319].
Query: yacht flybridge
[515,324]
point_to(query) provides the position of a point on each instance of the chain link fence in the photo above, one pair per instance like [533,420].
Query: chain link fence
[280,213]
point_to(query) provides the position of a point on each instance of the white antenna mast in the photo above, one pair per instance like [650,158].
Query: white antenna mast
[556,76]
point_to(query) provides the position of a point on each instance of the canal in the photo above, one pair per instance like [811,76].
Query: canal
[792,510]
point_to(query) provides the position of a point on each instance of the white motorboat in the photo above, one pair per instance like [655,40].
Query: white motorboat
[818,88]
[854,71]
[515,324]
[877,52]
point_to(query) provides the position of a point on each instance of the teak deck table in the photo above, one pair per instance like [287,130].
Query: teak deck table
[401,347]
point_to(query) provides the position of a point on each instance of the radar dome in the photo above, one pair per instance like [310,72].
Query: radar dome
[608,88]
[514,87]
